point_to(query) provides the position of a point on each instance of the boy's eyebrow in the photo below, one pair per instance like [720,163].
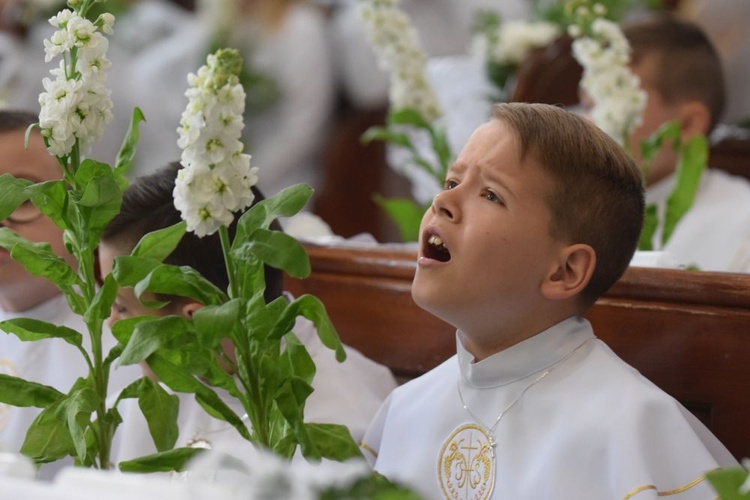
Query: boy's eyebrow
[488,175]
[457,167]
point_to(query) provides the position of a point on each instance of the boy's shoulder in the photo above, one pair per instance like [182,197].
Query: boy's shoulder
[436,379]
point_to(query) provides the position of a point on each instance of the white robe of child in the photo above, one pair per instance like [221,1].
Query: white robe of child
[593,428]
[51,362]
[347,393]
[715,233]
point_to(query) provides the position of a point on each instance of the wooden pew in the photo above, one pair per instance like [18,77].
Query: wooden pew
[688,332]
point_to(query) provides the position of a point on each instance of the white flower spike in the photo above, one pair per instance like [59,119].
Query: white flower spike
[604,52]
[399,52]
[216,178]
[76,104]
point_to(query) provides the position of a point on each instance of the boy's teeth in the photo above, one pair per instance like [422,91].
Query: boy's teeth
[435,240]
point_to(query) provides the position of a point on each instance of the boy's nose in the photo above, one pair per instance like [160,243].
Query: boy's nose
[112,318]
[443,206]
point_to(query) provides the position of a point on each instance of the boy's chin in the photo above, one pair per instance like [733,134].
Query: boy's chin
[427,296]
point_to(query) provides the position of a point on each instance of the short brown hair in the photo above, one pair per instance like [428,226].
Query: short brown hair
[13,120]
[598,195]
[691,66]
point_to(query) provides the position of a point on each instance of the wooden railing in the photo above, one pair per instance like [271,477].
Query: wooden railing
[688,332]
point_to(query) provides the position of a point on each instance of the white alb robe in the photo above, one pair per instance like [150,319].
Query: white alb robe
[347,393]
[715,233]
[593,428]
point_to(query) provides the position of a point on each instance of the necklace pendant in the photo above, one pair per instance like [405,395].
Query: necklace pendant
[466,464]
[493,443]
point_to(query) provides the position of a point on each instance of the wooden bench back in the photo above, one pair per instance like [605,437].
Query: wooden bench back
[688,332]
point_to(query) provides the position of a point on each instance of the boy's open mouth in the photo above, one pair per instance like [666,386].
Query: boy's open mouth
[435,249]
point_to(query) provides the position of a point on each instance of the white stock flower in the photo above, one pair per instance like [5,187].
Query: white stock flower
[399,52]
[615,90]
[216,178]
[76,104]
[513,41]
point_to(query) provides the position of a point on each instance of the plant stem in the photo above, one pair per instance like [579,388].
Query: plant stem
[226,245]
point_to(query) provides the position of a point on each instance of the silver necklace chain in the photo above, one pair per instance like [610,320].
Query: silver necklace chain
[491,428]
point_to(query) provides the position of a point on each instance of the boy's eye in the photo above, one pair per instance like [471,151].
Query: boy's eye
[450,184]
[119,308]
[490,196]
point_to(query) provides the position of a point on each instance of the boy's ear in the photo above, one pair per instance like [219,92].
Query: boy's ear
[694,118]
[189,308]
[571,273]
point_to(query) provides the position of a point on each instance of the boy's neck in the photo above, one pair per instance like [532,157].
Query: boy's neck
[483,345]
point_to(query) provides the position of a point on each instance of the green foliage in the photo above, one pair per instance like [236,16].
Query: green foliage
[558,11]
[691,162]
[268,370]
[374,487]
[166,461]
[727,483]
[77,423]
[405,213]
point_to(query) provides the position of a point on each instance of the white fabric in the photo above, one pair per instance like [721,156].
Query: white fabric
[50,362]
[715,233]
[594,428]
[347,393]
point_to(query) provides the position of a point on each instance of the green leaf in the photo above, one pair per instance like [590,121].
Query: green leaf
[38,259]
[690,166]
[261,316]
[300,362]
[48,438]
[96,183]
[101,305]
[408,116]
[29,330]
[213,323]
[15,391]
[123,329]
[278,250]
[407,214]
[183,281]
[53,199]
[285,203]
[76,410]
[499,74]
[650,146]
[151,335]
[159,244]
[331,441]
[727,482]
[166,461]
[129,270]
[650,223]
[443,151]
[125,156]
[177,379]
[313,309]
[100,199]
[374,487]
[386,135]
[12,194]
[290,399]
[159,408]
